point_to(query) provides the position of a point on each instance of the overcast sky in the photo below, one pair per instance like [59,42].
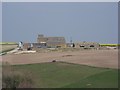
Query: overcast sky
[96,22]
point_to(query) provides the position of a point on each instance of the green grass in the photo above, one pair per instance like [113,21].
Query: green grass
[105,79]
[8,43]
[111,45]
[67,75]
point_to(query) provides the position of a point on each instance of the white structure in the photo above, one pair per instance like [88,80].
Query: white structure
[20,45]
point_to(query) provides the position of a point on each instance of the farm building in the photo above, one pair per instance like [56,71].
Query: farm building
[52,41]
[87,45]
[59,42]
[70,45]
[34,45]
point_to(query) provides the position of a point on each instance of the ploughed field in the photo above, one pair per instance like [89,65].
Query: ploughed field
[7,47]
[97,58]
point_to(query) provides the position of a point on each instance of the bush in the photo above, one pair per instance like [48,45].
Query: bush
[15,79]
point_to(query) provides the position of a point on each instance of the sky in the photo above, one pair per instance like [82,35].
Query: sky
[88,21]
[60,0]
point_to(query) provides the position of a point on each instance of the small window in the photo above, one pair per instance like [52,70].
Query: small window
[58,46]
[92,46]
[82,46]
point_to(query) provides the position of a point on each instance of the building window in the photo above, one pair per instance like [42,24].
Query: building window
[92,46]
[82,46]
[58,46]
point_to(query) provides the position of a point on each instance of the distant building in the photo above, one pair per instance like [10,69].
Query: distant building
[70,44]
[87,45]
[59,42]
[34,45]
[52,42]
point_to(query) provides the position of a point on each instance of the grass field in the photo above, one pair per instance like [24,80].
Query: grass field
[8,43]
[111,45]
[68,75]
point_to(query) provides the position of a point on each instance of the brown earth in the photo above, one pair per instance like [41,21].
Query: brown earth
[97,58]
[7,47]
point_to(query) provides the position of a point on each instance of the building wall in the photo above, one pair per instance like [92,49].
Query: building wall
[26,45]
[35,45]
[39,40]
[87,45]
[70,45]
[52,41]
[56,44]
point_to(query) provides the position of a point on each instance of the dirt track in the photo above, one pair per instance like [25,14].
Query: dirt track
[99,58]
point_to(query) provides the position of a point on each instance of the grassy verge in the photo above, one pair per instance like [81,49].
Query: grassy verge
[111,45]
[8,43]
[61,74]
[15,79]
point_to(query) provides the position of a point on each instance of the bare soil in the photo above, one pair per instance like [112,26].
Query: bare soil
[97,58]
[7,47]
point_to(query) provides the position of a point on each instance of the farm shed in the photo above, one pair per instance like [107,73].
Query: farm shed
[70,44]
[34,45]
[52,41]
[87,45]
